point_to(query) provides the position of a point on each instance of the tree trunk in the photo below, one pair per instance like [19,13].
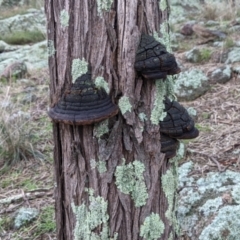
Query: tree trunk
[113,184]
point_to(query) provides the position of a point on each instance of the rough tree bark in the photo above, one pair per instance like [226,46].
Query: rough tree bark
[114,184]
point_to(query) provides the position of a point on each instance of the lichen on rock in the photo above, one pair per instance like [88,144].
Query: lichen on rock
[191,85]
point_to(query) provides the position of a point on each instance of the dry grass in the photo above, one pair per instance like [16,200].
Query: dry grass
[218,145]
[220,11]
[6,12]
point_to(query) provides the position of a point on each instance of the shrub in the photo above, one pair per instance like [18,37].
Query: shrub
[23,37]
[18,139]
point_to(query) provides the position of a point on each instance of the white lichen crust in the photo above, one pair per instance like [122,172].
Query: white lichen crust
[101,83]
[79,67]
[163,5]
[152,227]
[64,18]
[51,48]
[130,180]
[103,5]
[91,217]
[100,128]
[158,113]
[124,105]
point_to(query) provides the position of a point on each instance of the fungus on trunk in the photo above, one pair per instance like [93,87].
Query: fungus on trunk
[169,146]
[153,61]
[83,104]
[177,124]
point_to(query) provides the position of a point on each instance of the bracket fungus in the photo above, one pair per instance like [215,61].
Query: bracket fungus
[177,124]
[84,104]
[169,146]
[153,61]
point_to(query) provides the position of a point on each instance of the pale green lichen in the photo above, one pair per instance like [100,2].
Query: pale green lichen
[142,116]
[124,105]
[169,188]
[79,67]
[90,217]
[64,18]
[51,48]
[101,166]
[158,113]
[100,128]
[103,5]
[93,163]
[130,180]
[101,83]
[152,227]
[163,5]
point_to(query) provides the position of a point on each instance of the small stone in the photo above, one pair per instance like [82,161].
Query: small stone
[219,56]
[24,216]
[218,44]
[236,68]
[194,55]
[221,75]
[193,113]
[15,70]
[233,56]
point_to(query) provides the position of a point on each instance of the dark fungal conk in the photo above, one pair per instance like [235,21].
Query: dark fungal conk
[169,146]
[84,104]
[177,124]
[153,61]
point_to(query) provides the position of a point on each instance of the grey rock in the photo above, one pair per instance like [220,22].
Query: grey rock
[193,113]
[35,56]
[219,56]
[194,55]
[14,70]
[20,23]
[234,29]
[233,55]
[236,68]
[218,44]
[191,85]
[211,23]
[221,75]
[210,205]
[237,43]
[25,215]
[4,47]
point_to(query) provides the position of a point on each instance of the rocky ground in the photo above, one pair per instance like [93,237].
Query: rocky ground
[206,43]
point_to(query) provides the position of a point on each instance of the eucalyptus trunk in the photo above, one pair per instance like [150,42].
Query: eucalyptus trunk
[112,181]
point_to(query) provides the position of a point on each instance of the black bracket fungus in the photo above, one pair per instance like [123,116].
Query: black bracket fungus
[153,61]
[169,146]
[177,124]
[84,104]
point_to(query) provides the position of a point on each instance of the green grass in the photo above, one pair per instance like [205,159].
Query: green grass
[46,221]
[228,43]
[205,55]
[23,37]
